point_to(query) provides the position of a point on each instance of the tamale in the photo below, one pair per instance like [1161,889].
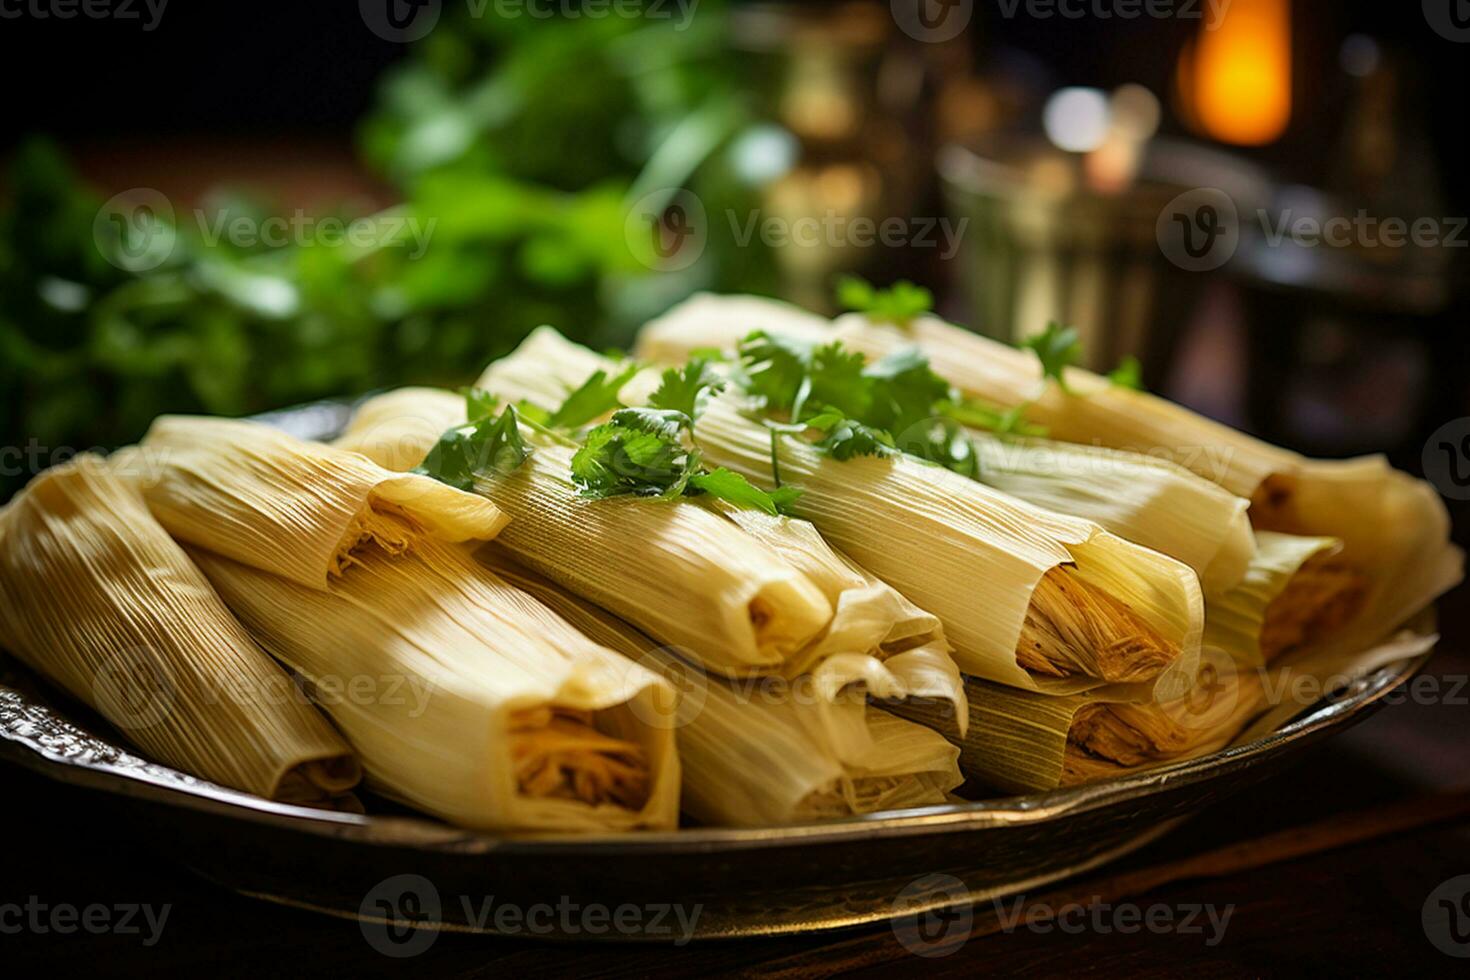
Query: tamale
[1297,592]
[1027,597]
[677,570]
[1151,502]
[95,596]
[392,429]
[479,705]
[876,635]
[753,757]
[1023,742]
[284,505]
[1393,527]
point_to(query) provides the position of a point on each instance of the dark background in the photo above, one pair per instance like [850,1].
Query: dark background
[274,88]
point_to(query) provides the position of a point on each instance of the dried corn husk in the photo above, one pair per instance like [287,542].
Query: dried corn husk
[677,570]
[1149,501]
[1027,597]
[1393,527]
[1022,742]
[713,322]
[876,636]
[392,429]
[284,505]
[757,754]
[96,596]
[1296,593]
[485,708]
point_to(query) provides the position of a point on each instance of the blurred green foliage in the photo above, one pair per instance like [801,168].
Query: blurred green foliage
[517,143]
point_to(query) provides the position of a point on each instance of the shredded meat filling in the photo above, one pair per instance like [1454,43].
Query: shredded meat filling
[1075,628]
[558,754]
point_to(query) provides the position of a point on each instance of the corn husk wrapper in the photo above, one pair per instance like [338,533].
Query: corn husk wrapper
[1393,527]
[1022,742]
[95,596]
[711,321]
[1151,502]
[679,571]
[876,637]
[758,754]
[468,669]
[392,429]
[970,554]
[294,508]
[1293,594]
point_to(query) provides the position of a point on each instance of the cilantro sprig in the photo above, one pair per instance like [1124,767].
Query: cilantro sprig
[1057,348]
[486,442]
[651,452]
[897,404]
[899,304]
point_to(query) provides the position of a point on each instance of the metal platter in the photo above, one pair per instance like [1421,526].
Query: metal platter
[742,882]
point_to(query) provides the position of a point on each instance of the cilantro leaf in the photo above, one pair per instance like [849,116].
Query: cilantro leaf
[1058,349]
[478,403]
[774,368]
[493,443]
[686,390]
[1128,374]
[847,438]
[899,304]
[640,452]
[1001,421]
[596,396]
[730,486]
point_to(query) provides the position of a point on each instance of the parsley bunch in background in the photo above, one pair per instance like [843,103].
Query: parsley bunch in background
[527,180]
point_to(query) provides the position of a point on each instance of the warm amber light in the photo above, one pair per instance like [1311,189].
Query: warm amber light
[1236,76]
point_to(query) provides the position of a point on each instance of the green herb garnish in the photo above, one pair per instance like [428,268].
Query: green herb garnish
[650,452]
[1128,374]
[898,304]
[1058,348]
[596,396]
[491,443]
[685,390]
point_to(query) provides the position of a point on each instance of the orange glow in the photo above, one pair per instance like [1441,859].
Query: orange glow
[1235,78]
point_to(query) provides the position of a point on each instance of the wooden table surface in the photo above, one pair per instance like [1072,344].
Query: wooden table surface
[1355,910]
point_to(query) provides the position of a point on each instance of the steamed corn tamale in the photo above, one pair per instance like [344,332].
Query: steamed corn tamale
[95,596]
